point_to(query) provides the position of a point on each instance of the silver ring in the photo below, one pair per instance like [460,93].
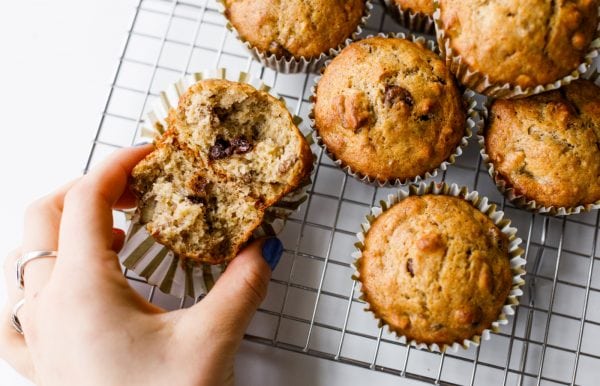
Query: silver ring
[26,258]
[15,319]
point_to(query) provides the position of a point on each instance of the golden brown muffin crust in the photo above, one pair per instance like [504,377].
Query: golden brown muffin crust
[547,147]
[525,43]
[420,6]
[389,108]
[435,269]
[295,28]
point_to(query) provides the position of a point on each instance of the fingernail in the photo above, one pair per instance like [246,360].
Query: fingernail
[272,250]
[142,143]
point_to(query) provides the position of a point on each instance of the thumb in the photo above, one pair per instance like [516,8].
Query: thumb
[240,290]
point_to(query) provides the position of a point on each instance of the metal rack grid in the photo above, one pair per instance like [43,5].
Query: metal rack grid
[313,306]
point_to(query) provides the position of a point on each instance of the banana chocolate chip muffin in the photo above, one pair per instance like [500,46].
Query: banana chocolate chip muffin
[435,269]
[547,147]
[295,28]
[389,109]
[520,43]
[229,153]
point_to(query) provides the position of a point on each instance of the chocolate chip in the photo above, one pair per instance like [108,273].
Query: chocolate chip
[397,94]
[424,117]
[241,145]
[410,268]
[221,149]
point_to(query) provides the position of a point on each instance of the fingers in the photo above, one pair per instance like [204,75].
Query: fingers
[41,225]
[86,228]
[12,345]
[236,295]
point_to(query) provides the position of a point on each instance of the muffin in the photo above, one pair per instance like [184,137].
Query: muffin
[416,15]
[436,270]
[229,153]
[516,43]
[388,109]
[546,148]
[295,29]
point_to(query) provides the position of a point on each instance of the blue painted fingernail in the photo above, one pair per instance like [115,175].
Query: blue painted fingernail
[272,250]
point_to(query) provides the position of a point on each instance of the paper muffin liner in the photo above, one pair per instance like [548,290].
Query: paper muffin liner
[472,123]
[517,260]
[481,83]
[414,21]
[155,262]
[506,188]
[291,65]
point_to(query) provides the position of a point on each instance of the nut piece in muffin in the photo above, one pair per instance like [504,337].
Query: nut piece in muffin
[547,146]
[295,28]
[417,6]
[389,109]
[521,43]
[435,269]
[229,153]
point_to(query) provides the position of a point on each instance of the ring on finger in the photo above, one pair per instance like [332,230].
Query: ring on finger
[14,318]
[26,258]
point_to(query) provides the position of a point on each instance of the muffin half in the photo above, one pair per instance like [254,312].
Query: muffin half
[229,153]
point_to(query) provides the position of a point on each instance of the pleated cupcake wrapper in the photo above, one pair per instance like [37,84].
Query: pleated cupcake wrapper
[155,262]
[414,21]
[291,65]
[472,123]
[481,83]
[505,187]
[517,260]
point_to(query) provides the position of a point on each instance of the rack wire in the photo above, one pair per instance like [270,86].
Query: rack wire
[312,306]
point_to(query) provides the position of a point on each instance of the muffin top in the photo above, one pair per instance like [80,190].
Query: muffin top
[420,6]
[523,43]
[295,28]
[435,269]
[547,146]
[389,109]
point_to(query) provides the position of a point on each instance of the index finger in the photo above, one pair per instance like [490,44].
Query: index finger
[86,226]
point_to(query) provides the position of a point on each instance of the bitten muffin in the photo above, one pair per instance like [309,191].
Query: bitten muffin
[547,147]
[417,6]
[389,109]
[229,153]
[295,28]
[520,43]
[435,269]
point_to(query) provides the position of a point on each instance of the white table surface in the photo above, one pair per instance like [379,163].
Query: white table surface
[58,58]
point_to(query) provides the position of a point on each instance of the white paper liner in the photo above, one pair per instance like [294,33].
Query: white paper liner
[414,21]
[481,83]
[155,262]
[507,190]
[517,260]
[472,123]
[291,65]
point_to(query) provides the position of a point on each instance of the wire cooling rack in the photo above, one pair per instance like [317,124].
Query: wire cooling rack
[312,305]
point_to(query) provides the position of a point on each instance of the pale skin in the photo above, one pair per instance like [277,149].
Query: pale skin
[84,325]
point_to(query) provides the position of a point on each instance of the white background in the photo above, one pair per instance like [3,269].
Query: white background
[57,61]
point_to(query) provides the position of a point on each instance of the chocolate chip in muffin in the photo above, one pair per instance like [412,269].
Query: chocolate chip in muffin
[397,94]
[241,145]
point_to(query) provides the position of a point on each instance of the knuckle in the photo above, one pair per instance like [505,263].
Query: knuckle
[256,284]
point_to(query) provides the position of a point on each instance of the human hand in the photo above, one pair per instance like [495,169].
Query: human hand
[84,325]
